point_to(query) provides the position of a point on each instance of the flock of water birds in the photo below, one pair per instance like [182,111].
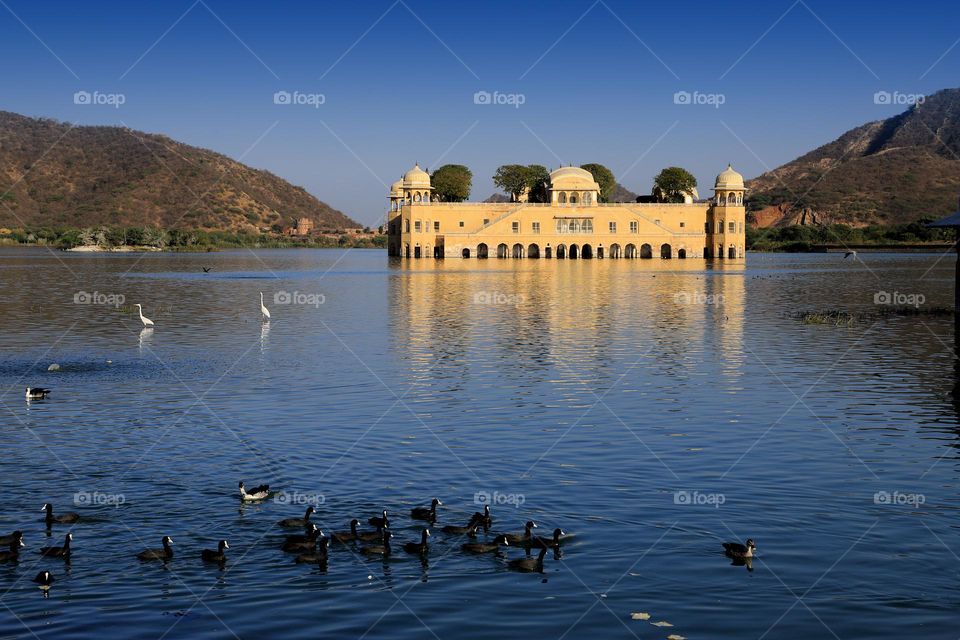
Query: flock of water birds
[312,546]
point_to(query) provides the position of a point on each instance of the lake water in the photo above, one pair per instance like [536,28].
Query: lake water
[652,409]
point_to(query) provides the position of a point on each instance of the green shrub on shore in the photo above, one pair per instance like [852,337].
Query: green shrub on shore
[802,238]
[178,239]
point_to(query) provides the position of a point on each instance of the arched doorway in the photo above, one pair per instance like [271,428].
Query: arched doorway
[646,251]
[614,250]
[732,252]
[438,252]
[482,250]
[561,252]
[518,250]
[416,251]
[465,253]
[681,253]
[586,252]
[666,251]
[533,251]
[406,251]
[548,253]
[574,252]
[599,253]
[630,251]
[502,250]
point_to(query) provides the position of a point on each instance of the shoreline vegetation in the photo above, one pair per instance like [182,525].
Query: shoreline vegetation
[129,239]
[819,238]
[914,236]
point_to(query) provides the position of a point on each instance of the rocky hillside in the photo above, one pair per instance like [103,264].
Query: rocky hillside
[887,172]
[52,174]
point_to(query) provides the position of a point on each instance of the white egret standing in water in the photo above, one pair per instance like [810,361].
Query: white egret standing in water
[147,322]
[263,309]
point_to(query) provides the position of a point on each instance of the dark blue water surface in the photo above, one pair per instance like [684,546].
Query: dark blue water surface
[652,409]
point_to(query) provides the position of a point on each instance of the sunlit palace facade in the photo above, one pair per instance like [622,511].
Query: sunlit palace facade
[572,225]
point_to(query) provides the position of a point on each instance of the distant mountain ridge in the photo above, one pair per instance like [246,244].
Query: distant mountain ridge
[887,172]
[54,174]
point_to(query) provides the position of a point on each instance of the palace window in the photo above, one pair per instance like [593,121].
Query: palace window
[408,226]
[436,225]
[683,224]
[416,226]
[720,227]
[461,223]
[613,227]
[536,227]
[656,222]
[634,227]
[516,227]
[486,221]
[574,225]
[732,227]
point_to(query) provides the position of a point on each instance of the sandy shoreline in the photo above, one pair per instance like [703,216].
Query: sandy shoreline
[121,249]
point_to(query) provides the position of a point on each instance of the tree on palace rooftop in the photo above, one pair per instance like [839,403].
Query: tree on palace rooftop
[512,178]
[604,177]
[673,183]
[537,180]
[452,182]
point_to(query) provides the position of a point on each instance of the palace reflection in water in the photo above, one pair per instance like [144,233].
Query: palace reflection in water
[574,315]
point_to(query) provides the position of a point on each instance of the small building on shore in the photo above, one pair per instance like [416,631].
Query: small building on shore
[574,224]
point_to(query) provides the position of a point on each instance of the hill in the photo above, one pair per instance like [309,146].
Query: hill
[55,175]
[888,172]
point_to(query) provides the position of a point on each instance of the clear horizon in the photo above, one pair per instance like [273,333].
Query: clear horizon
[385,84]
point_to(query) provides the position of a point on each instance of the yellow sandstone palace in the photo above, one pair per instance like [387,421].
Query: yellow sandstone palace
[574,224]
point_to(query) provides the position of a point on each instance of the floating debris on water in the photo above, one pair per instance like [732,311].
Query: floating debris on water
[640,616]
[53,367]
[841,318]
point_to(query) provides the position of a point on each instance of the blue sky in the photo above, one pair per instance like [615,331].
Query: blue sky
[597,81]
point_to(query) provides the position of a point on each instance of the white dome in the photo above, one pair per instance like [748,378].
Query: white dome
[573,178]
[416,178]
[729,179]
